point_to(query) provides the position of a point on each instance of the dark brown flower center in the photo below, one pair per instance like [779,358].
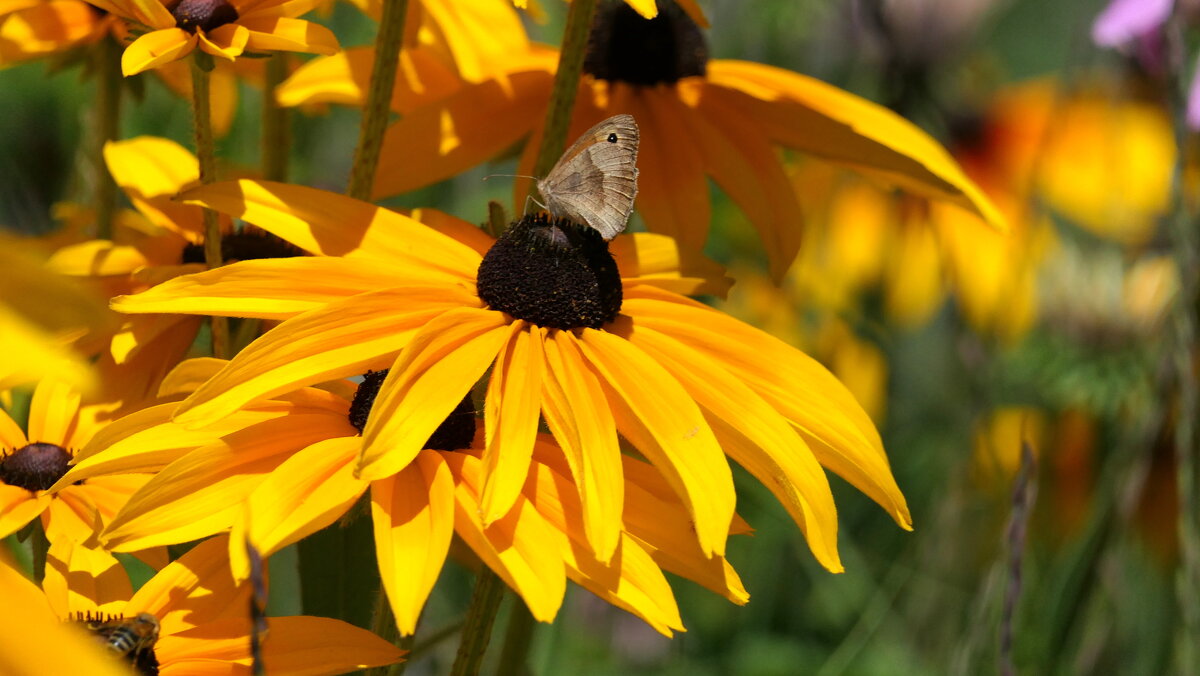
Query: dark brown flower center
[552,272]
[625,47]
[456,432]
[203,14]
[35,467]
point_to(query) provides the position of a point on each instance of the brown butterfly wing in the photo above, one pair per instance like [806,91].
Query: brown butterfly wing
[595,181]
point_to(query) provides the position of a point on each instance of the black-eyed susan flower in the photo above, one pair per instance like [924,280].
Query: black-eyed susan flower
[699,119]
[33,640]
[571,334]
[222,28]
[278,470]
[37,457]
[200,616]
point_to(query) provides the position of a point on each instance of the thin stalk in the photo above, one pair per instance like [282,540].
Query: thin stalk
[205,153]
[108,119]
[566,84]
[40,546]
[517,639]
[379,99]
[276,122]
[383,625]
[477,630]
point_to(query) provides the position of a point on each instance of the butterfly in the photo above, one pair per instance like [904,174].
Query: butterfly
[595,181]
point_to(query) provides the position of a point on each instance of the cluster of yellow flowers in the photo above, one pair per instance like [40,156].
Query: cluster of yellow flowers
[276,355]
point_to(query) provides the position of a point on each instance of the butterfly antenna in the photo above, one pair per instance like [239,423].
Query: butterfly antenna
[533,178]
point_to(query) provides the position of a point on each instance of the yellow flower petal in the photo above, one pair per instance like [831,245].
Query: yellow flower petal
[289,35]
[304,494]
[338,340]
[577,412]
[833,424]
[671,430]
[322,645]
[11,435]
[152,13]
[201,493]
[156,48]
[196,589]
[82,579]
[511,410]
[519,547]
[428,380]
[757,437]
[806,114]
[18,507]
[52,414]
[329,224]
[226,42]
[658,260]
[34,640]
[413,513]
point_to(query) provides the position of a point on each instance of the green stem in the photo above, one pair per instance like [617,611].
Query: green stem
[40,546]
[517,639]
[383,625]
[108,117]
[202,121]
[566,84]
[477,629]
[379,99]
[276,122]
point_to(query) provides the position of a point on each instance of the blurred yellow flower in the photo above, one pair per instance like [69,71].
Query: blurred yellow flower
[33,29]
[222,28]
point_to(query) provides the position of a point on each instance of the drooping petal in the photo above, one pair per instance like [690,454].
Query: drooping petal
[804,113]
[82,579]
[520,547]
[196,589]
[661,524]
[673,198]
[202,492]
[338,340]
[422,78]
[743,163]
[413,513]
[428,380]
[329,224]
[155,49]
[281,33]
[71,516]
[436,142]
[629,580]
[756,436]
[304,494]
[511,410]
[576,411]
[11,435]
[653,407]
[833,424]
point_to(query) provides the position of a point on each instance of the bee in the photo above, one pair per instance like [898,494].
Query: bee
[128,637]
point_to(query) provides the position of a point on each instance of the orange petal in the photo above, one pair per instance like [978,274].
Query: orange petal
[280,33]
[414,518]
[81,579]
[511,411]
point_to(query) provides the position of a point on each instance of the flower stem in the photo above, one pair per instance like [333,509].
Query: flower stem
[566,84]
[383,625]
[517,639]
[379,99]
[202,121]
[108,117]
[477,629]
[40,546]
[276,123]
